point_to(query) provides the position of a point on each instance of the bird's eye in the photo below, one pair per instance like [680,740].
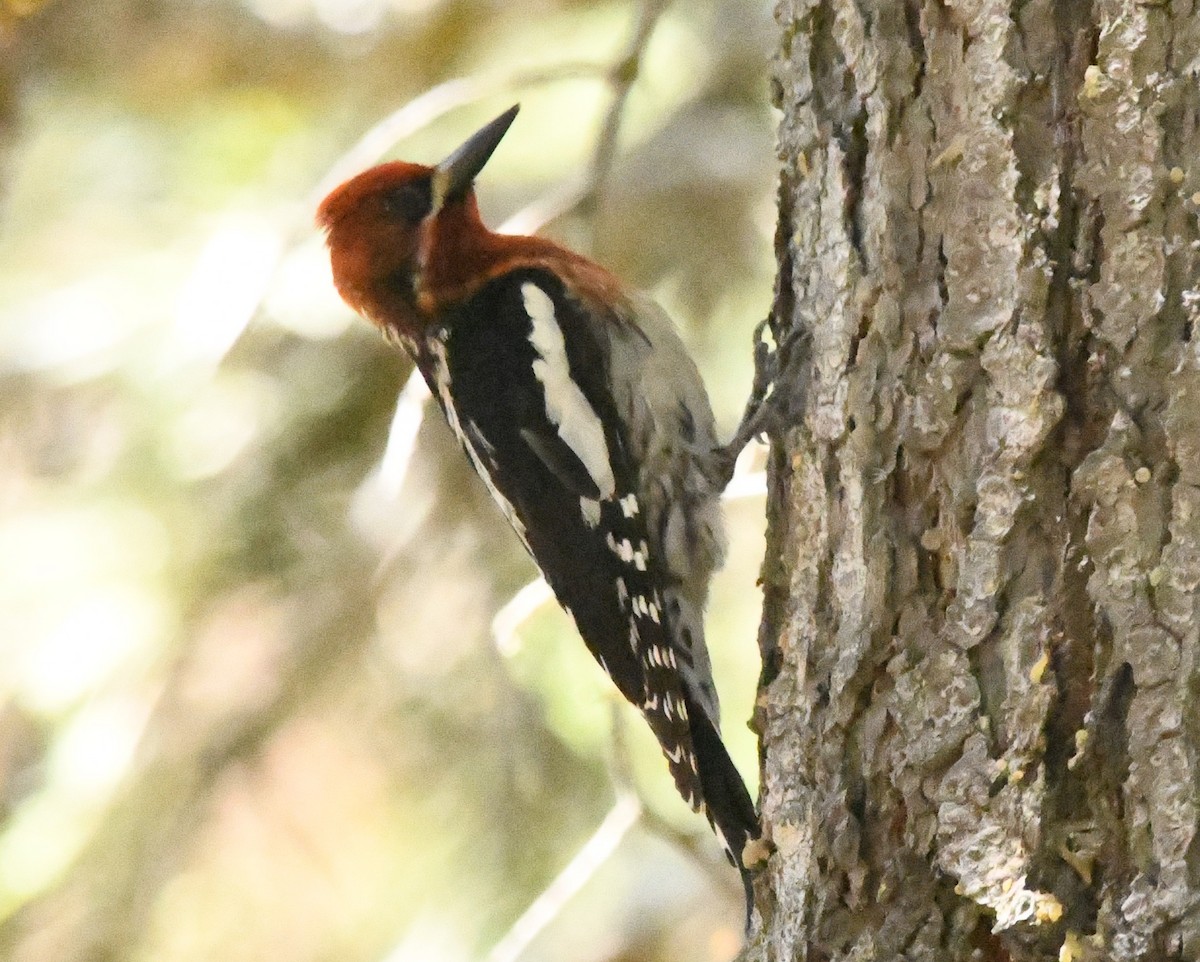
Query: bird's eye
[409,202]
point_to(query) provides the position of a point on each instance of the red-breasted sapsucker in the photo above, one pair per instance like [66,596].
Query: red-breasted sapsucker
[578,405]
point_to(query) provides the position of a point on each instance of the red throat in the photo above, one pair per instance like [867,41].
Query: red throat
[459,255]
[404,277]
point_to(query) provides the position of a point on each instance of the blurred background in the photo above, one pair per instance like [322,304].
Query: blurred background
[273,683]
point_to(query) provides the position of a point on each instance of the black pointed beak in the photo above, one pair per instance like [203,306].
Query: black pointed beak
[452,178]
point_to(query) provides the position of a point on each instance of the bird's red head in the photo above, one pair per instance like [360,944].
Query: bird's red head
[374,231]
[406,241]
[388,227]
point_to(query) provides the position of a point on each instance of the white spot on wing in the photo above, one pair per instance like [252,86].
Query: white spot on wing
[623,550]
[639,556]
[566,407]
[590,509]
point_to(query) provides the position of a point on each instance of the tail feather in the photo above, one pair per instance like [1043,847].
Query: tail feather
[677,697]
[728,805]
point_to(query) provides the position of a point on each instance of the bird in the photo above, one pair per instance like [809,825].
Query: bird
[578,405]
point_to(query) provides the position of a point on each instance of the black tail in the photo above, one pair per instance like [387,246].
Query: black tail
[728,805]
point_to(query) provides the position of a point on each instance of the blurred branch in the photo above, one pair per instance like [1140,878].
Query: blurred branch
[594,853]
[621,78]
[516,611]
[587,191]
[434,103]
[547,208]
[718,872]
[402,434]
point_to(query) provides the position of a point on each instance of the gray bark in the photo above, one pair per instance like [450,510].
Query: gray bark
[980,635]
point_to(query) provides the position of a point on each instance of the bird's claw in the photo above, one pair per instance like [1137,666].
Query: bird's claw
[769,409]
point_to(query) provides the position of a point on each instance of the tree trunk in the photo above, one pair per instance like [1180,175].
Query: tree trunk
[980,634]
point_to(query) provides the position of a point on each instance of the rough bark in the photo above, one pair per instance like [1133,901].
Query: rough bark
[980,642]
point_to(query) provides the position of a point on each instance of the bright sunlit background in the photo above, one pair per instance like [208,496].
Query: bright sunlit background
[272,685]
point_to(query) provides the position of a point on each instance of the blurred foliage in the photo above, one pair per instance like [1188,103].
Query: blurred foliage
[250,702]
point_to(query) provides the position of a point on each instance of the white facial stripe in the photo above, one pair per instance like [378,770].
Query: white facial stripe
[566,407]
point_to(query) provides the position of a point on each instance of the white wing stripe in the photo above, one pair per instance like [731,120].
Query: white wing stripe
[566,407]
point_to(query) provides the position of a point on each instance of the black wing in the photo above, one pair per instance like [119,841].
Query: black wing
[578,534]
[542,430]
